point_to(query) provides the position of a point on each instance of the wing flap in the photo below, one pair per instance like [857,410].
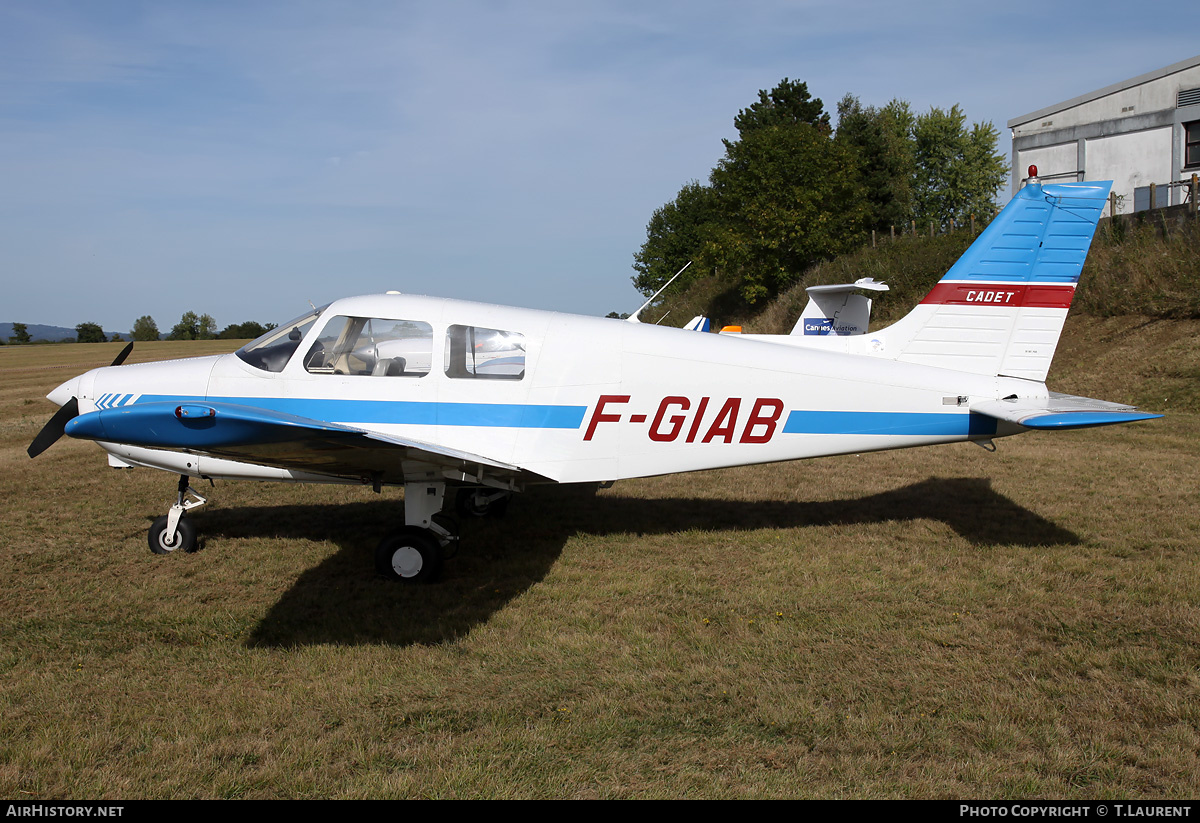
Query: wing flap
[1061,411]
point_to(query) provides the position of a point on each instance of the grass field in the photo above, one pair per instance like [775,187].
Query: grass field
[932,623]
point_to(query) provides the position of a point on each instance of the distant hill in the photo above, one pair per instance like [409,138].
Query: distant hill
[37,331]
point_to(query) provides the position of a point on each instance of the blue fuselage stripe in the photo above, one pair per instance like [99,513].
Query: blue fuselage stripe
[895,423]
[528,416]
[401,412]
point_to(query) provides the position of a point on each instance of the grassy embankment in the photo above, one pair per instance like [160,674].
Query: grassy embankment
[940,622]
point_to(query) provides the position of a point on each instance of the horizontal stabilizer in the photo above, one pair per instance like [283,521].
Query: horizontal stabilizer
[1060,411]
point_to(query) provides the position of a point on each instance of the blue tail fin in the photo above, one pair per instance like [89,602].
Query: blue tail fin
[1000,309]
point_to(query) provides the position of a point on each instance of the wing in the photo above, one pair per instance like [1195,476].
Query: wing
[1060,411]
[269,438]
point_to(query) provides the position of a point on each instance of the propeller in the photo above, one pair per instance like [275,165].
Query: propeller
[53,430]
[57,424]
[124,353]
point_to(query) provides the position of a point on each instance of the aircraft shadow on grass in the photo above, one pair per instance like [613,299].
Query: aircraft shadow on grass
[338,601]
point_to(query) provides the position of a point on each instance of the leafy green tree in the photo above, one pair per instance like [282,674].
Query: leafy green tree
[787,104]
[677,233]
[20,333]
[789,193]
[958,172]
[790,197]
[784,196]
[188,327]
[206,327]
[244,331]
[144,328]
[90,333]
[886,161]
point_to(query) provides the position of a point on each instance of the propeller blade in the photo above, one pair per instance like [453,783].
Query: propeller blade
[124,353]
[54,429]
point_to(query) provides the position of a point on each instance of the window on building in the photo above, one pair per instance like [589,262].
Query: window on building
[485,354]
[1191,145]
[375,346]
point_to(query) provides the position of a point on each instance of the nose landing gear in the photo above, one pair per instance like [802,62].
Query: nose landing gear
[172,532]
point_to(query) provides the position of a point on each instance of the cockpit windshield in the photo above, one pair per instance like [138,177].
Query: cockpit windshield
[272,351]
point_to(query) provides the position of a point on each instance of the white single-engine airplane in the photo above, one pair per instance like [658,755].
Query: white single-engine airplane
[444,395]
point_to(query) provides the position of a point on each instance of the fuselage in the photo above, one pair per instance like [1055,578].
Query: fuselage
[564,397]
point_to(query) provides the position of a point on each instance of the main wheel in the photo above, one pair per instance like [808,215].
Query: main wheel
[410,555]
[184,537]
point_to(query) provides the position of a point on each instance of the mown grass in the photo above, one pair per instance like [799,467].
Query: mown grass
[931,623]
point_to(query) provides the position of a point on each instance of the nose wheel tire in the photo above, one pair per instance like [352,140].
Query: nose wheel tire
[410,555]
[163,543]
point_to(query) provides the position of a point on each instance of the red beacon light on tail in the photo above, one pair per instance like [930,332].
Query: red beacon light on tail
[1032,174]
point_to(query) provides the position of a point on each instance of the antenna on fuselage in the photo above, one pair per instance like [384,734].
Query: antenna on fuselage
[633,318]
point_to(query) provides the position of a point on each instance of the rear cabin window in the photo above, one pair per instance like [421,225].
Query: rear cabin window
[372,346]
[477,353]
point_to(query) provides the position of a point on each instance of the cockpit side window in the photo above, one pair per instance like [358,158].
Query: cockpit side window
[374,346]
[484,354]
[272,351]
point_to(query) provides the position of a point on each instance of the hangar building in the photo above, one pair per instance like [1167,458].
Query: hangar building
[1141,131]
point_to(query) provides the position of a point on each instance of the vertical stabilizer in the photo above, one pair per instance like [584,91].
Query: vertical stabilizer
[1000,309]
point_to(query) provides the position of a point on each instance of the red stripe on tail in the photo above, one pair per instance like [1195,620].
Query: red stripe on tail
[1040,295]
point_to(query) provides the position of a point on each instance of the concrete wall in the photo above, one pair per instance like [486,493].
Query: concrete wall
[1151,96]
[1130,160]
[1130,133]
[1052,161]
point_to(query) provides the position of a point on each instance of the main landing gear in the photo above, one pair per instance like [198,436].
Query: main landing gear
[411,554]
[173,531]
[414,554]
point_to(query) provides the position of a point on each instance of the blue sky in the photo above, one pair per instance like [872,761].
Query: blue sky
[245,158]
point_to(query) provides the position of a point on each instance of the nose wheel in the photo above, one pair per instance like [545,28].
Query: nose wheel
[164,541]
[172,531]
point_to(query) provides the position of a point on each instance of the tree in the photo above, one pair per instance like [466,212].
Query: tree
[958,172]
[20,333]
[206,327]
[144,328]
[886,161]
[784,196]
[188,327]
[90,333]
[789,192]
[787,104]
[244,331]
[676,233]
[791,197]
